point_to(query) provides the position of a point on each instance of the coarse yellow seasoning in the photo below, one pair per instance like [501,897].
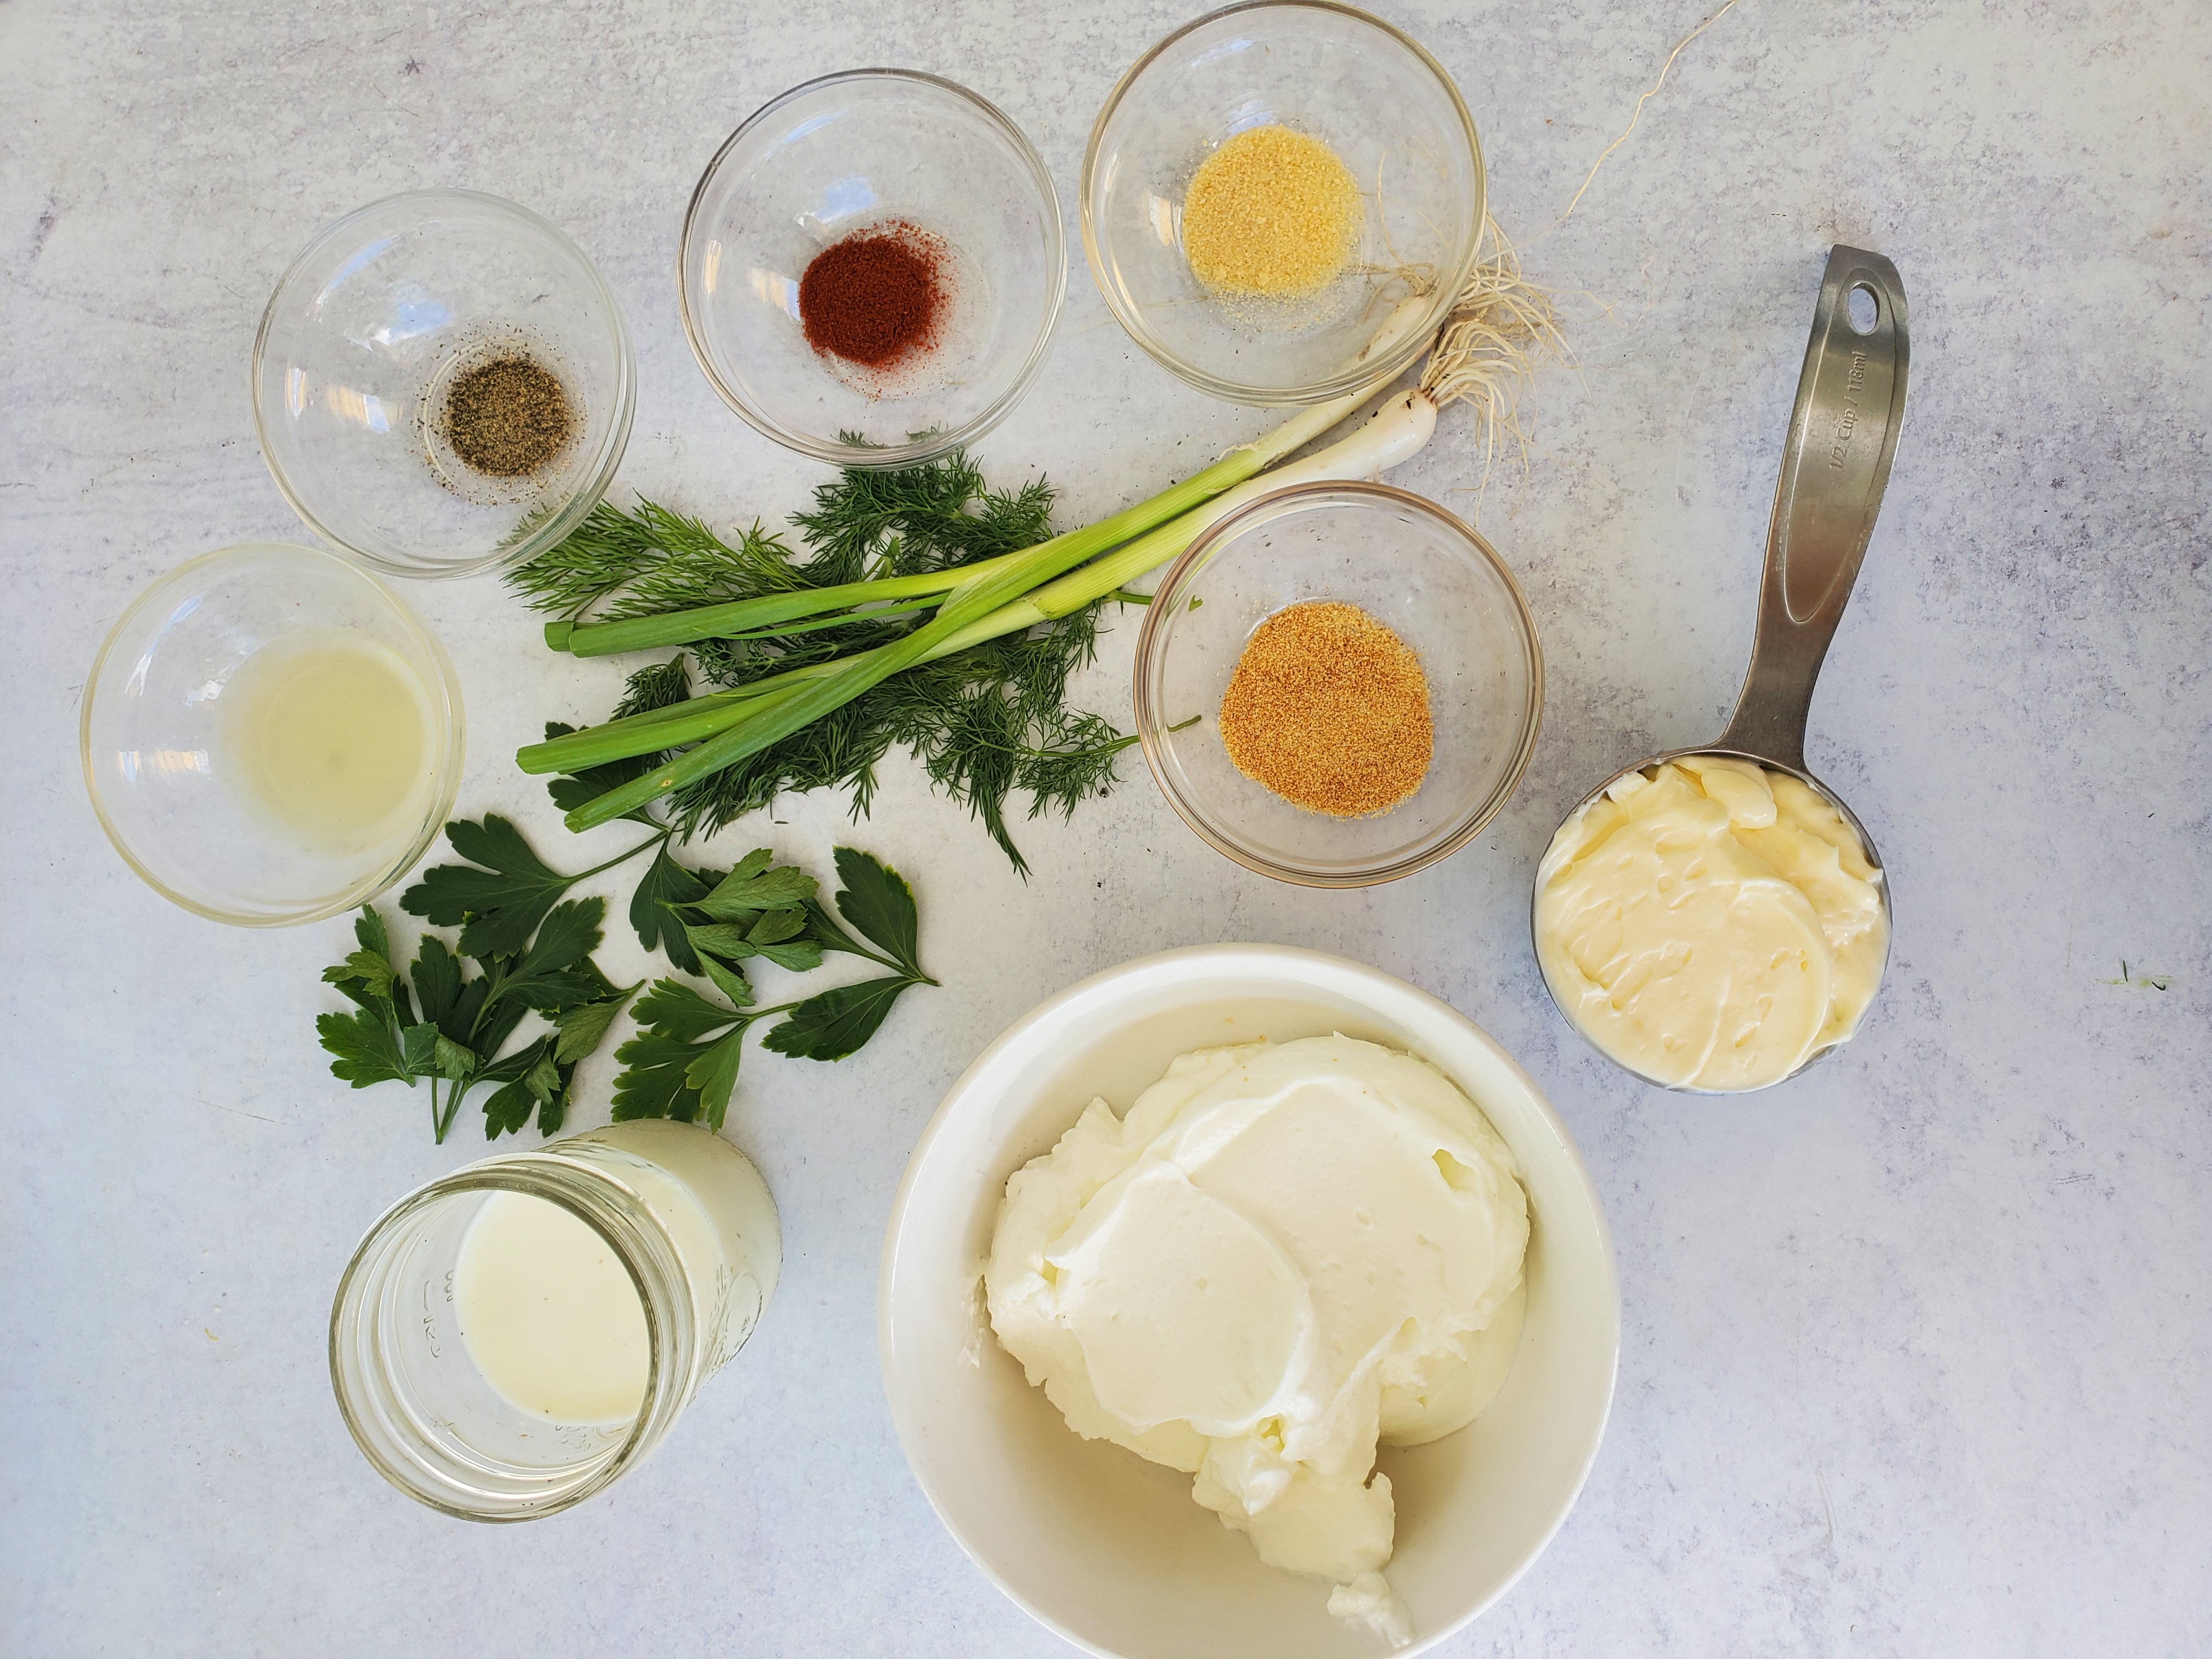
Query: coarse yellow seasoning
[1272,213]
[1329,709]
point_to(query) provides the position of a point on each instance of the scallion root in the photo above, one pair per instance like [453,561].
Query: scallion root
[1499,332]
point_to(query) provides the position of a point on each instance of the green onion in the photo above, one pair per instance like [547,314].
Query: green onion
[994,597]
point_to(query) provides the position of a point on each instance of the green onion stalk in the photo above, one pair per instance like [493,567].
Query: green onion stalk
[971,603]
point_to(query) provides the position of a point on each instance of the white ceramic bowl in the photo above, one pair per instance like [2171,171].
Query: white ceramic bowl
[1108,1550]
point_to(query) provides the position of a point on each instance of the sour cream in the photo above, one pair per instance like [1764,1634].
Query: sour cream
[1711,925]
[1282,1255]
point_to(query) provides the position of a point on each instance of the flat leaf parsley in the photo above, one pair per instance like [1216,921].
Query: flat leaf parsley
[682,1063]
[449,1030]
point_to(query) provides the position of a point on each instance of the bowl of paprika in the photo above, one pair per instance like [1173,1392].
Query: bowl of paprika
[871,268]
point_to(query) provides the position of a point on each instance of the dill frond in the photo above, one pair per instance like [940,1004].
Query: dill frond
[651,559]
[697,567]
[608,549]
[659,685]
[985,723]
[917,519]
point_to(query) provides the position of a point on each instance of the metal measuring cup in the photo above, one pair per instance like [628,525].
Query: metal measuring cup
[1835,465]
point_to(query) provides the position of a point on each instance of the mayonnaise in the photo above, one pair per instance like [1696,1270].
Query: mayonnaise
[1281,1255]
[1711,925]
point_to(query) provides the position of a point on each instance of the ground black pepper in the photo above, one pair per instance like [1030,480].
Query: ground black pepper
[506,418]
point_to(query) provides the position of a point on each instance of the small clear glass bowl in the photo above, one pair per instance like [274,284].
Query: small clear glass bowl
[152,738]
[369,329]
[1380,102]
[1415,568]
[840,155]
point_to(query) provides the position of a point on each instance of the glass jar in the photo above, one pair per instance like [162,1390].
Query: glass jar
[683,1210]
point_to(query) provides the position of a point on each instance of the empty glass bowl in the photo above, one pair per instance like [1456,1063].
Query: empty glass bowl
[845,153]
[1412,566]
[365,336]
[1391,114]
[161,734]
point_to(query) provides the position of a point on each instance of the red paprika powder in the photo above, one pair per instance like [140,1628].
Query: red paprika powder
[877,297]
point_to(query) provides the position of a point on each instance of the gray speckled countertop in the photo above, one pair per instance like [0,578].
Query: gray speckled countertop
[1916,1348]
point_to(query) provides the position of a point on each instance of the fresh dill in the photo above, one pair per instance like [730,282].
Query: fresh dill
[987,722]
[867,524]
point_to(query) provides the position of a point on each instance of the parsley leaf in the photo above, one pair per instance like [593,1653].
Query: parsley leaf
[533,1082]
[498,907]
[665,886]
[366,1047]
[676,1066]
[754,886]
[584,1027]
[445,1003]
[467,1020]
[837,1023]
[776,934]
[729,981]
[545,977]
[368,929]
[876,900]
[366,977]
[712,1078]
[683,1061]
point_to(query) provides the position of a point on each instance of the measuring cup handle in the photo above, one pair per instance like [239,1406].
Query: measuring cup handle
[1835,464]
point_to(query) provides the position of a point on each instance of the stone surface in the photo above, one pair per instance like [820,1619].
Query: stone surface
[1915,1348]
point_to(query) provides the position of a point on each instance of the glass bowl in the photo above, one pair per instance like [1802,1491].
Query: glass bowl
[841,154]
[160,754]
[365,334]
[1415,568]
[1384,105]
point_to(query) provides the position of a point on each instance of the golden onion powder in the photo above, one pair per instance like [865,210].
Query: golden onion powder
[1272,214]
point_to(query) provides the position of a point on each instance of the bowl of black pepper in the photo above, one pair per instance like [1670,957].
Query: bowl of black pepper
[871,266]
[443,384]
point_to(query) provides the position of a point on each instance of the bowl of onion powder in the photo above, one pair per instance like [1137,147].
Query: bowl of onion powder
[1339,684]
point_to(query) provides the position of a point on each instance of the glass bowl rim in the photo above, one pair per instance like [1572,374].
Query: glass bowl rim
[1442,299]
[1151,642]
[613,447]
[455,735]
[912,453]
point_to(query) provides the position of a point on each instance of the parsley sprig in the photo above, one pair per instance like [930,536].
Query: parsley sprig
[682,1063]
[532,948]
[464,1019]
